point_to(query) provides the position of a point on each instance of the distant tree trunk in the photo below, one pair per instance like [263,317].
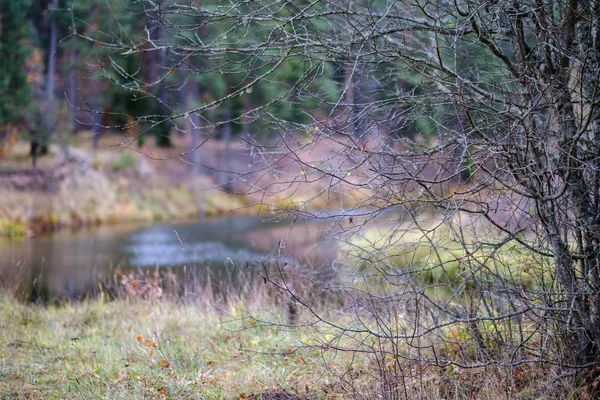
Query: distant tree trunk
[46,120]
[246,119]
[156,67]
[151,57]
[227,135]
[95,94]
[183,95]
[97,130]
[226,165]
[51,79]
[72,94]
[96,113]
[194,123]
[34,151]
[164,132]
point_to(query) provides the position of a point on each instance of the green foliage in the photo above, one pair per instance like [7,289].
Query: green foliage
[14,50]
[125,161]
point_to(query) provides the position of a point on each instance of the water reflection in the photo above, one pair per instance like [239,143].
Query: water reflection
[203,243]
[169,254]
[69,263]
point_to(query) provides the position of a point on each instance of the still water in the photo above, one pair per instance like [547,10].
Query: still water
[68,264]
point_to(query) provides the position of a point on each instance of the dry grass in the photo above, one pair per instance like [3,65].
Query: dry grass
[151,184]
[227,344]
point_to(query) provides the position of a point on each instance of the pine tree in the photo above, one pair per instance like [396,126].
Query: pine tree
[14,33]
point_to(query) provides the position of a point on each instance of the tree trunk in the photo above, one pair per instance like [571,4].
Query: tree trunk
[73,100]
[347,121]
[226,180]
[164,138]
[194,123]
[97,113]
[34,151]
[51,78]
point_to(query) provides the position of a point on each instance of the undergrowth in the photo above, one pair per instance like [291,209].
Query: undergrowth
[142,341]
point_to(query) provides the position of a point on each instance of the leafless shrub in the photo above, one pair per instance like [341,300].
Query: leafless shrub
[470,131]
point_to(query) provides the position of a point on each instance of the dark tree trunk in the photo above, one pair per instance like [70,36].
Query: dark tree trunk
[164,132]
[156,65]
[96,113]
[96,129]
[73,101]
[34,151]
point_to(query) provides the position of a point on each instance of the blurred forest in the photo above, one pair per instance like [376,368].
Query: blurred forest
[61,74]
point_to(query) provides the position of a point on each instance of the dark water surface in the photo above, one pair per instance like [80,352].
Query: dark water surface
[69,263]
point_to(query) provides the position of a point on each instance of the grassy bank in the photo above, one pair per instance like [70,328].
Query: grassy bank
[105,186]
[170,349]
[138,349]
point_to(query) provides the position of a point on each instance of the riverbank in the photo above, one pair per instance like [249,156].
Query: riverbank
[102,187]
[145,342]
[114,184]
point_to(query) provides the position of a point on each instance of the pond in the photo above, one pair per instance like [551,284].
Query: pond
[70,263]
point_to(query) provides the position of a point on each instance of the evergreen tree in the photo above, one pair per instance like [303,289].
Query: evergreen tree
[14,34]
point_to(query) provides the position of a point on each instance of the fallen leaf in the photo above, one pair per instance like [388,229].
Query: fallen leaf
[164,393]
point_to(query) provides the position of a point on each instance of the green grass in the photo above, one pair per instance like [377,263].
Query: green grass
[139,349]
[12,228]
[227,348]
[433,254]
